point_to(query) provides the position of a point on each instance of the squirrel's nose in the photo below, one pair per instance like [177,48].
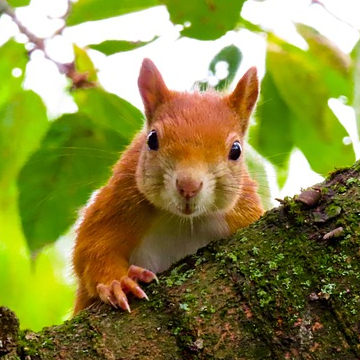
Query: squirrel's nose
[188,187]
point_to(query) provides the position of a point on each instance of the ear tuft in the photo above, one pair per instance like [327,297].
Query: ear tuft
[244,97]
[152,88]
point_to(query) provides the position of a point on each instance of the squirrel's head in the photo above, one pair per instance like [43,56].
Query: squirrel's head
[191,162]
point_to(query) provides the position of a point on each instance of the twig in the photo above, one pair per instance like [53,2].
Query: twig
[8,10]
[64,17]
[79,80]
[318,2]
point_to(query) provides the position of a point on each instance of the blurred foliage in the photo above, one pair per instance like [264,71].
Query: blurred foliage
[60,175]
[298,85]
[111,47]
[205,20]
[17,3]
[91,10]
[231,57]
[48,169]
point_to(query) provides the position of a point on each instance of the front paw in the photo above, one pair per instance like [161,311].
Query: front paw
[115,293]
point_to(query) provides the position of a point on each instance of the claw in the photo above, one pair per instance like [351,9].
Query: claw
[117,290]
[139,273]
[115,293]
[150,276]
[129,285]
[125,305]
[140,293]
[156,278]
[111,302]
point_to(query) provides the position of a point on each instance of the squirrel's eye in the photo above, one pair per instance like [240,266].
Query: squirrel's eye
[152,141]
[235,151]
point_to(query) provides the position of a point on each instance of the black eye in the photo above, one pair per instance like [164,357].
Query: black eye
[235,151]
[152,141]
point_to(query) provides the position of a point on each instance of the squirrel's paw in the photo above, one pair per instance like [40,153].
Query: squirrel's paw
[115,293]
[141,274]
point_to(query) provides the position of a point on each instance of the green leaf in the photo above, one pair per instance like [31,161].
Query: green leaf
[257,171]
[74,159]
[323,145]
[12,56]
[84,64]
[17,3]
[337,65]
[111,47]
[109,110]
[310,65]
[205,20]
[355,54]
[23,122]
[22,114]
[326,51]
[231,56]
[90,10]
[271,136]
[300,80]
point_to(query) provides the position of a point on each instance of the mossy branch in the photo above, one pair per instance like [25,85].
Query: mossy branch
[287,287]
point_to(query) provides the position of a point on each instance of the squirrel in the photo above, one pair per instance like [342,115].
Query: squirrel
[180,184]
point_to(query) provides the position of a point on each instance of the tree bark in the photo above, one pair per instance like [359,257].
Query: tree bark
[286,287]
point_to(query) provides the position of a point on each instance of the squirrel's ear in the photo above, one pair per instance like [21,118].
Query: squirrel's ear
[152,88]
[243,98]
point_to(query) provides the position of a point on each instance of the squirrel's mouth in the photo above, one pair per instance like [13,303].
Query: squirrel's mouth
[189,208]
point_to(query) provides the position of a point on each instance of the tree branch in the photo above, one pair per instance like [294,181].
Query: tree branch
[286,287]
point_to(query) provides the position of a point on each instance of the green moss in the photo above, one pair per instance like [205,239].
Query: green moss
[34,344]
[333,210]
[278,280]
[324,190]
[279,268]
[341,189]
[179,275]
[337,171]
[353,181]
[26,345]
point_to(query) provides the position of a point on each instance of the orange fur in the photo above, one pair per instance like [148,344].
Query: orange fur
[142,202]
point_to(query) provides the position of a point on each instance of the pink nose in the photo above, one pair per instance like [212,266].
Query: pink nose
[188,187]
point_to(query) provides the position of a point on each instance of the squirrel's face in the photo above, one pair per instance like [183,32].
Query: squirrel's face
[191,161]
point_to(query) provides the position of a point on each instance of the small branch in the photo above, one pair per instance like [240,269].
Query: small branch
[8,10]
[78,80]
[318,2]
[63,17]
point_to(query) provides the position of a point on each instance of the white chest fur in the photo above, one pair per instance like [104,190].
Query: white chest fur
[172,238]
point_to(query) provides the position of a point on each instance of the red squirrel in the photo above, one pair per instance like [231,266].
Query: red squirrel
[181,183]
